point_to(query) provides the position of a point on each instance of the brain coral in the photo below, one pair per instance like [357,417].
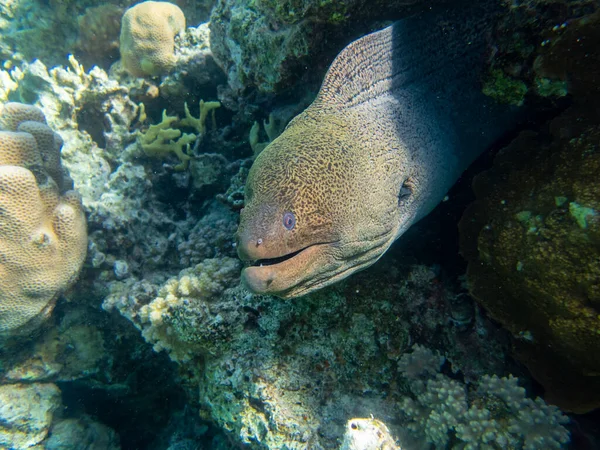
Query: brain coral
[43,237]
[147,40]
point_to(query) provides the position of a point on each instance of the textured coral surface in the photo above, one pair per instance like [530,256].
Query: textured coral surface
[532,238]
[43,236]
[535,264]
[147,40]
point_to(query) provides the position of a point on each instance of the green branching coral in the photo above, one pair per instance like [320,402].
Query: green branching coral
[165,137]
[200,123]
[159,141]
[273,128]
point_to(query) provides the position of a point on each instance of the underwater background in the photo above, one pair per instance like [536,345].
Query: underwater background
[127,132]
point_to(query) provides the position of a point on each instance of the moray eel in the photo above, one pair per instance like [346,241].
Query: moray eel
[398,117]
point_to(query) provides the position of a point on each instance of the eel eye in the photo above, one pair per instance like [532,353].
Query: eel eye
[289,220]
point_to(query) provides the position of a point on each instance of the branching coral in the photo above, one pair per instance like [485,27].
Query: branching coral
[162,138]
[273,128]
[199,123]
[159,140]
[501,416]
[496,414]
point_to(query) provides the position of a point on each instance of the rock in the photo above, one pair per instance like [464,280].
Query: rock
[532,237]
[81,434]
[26,412]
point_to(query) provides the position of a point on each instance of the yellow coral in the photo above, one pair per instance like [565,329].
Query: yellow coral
[200,123]
[43,237]
[164,319]
[147,40]
[159,139]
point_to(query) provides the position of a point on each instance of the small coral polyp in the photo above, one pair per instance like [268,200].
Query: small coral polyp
[147,40]
[43,236]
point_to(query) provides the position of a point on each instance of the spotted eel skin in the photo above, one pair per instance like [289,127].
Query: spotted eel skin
[398,118]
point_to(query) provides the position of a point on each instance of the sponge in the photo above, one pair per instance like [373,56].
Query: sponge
[147,40]
[43,236]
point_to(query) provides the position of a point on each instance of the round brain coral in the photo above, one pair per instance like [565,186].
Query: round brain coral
[147,40]
[43,236]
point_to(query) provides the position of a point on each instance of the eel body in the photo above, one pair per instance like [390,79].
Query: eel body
[398,118]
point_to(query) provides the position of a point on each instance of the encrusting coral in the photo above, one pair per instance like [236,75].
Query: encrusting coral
[147,40]
[43,237]
[532,237]
[26,413]
[98,34]
[187,317]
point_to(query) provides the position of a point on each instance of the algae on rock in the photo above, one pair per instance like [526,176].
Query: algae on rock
[532,237]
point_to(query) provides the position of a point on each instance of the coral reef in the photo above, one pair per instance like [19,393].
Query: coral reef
[159,140]
[274,373]
[273,128]
[496,414]
[98,118]
[524,34]
[185,318]
[81,434]
[206,364]
[135,229]
[368,434]
[98,35]
[234,196]
[195,69]
[31,418]
[532,238]
[270,45]
[43,237]
[40,30]
[147,39]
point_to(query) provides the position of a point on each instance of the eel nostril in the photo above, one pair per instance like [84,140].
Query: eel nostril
[259,241]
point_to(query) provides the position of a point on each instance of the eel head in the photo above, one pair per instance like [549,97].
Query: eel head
[307,222]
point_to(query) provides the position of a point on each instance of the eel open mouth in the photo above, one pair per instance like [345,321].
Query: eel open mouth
[277,260]
[284,275]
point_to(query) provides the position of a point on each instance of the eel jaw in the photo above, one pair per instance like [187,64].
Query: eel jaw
[285,277]
[314,267]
